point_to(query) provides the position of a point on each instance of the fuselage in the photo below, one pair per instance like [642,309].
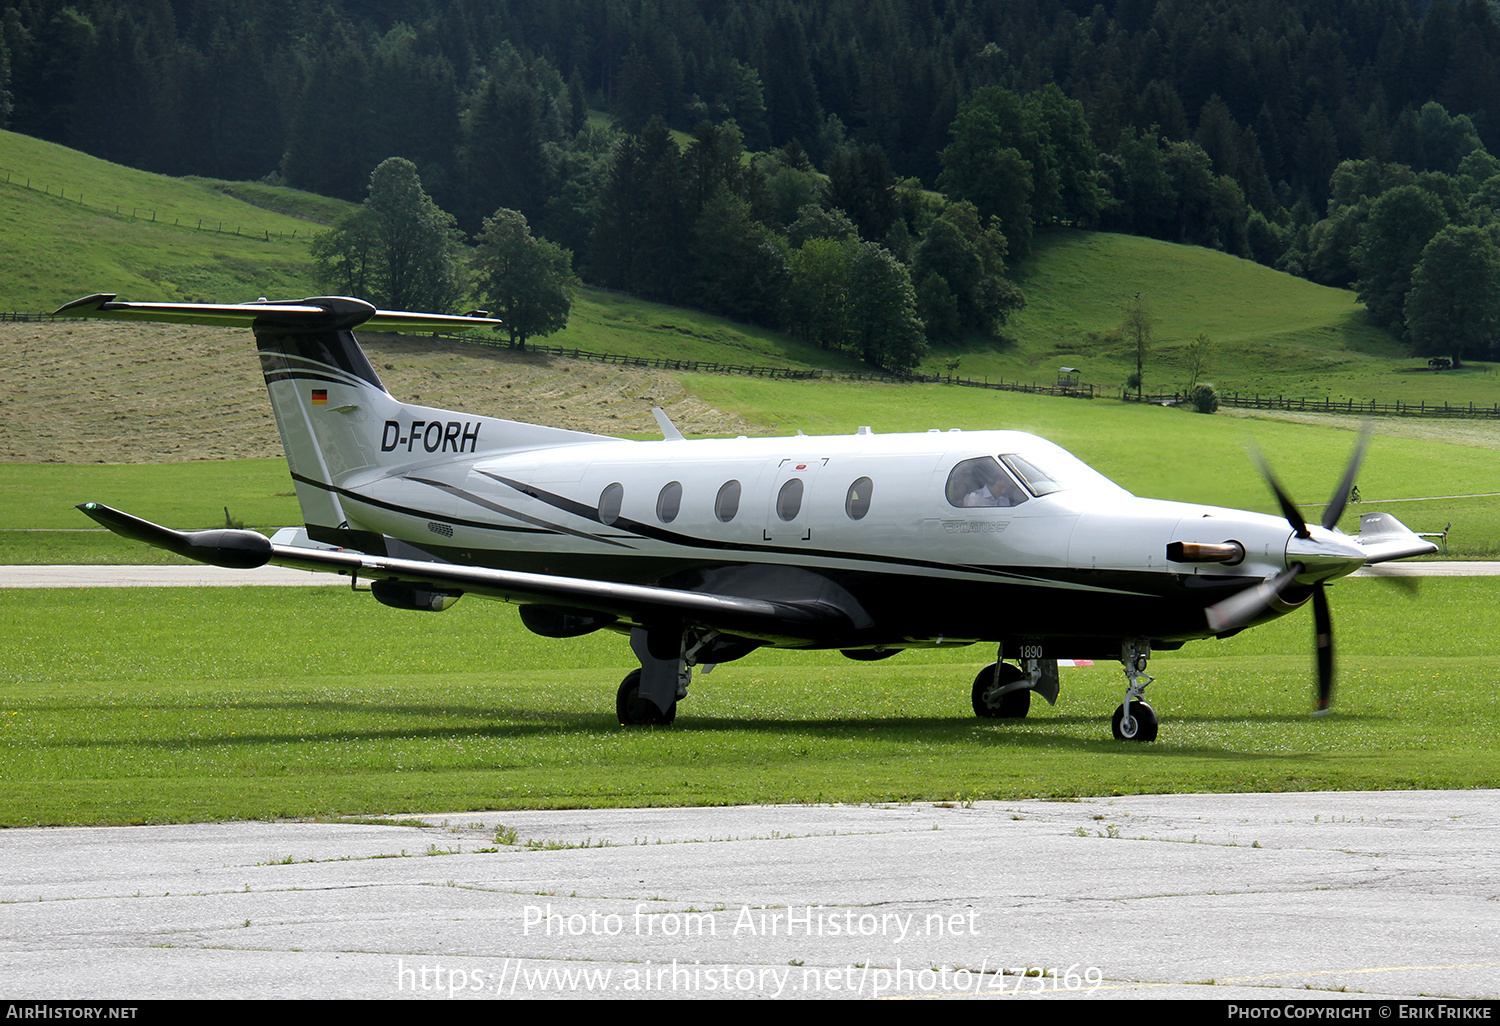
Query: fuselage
[1068,561]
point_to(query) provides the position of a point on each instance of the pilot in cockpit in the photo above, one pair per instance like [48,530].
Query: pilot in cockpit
[993,486]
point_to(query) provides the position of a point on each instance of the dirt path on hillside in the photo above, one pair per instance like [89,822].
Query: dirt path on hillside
[120,392]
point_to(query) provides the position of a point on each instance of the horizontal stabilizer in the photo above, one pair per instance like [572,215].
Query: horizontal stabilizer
[1383,537]
[324,313]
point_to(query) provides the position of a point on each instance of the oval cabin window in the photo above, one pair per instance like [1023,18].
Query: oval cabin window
[609,503]
[857,502]
[727,504]
[669,502]
[789,499]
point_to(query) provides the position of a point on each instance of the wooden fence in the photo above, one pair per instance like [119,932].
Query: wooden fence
[1352,407]
[1080,391]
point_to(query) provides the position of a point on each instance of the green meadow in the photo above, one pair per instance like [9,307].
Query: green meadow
[84,224]
[158,705]
[1272,333]
[1427,474]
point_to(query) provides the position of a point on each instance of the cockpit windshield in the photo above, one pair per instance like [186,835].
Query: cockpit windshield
[1054,470]
[992,481]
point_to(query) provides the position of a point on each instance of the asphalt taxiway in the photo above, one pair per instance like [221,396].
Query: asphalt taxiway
[1283,897]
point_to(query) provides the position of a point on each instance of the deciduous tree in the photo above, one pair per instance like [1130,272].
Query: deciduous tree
[526,282]
[1453,307]
[400,250]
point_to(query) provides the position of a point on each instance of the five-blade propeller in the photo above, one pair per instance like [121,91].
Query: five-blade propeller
[1244,606]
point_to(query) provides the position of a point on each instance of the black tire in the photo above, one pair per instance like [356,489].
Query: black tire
[635,711]
[1145,723]
[1013,705]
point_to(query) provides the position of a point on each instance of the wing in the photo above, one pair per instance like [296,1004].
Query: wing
[805,620]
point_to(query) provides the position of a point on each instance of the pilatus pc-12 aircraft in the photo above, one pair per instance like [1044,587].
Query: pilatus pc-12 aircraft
[703,550]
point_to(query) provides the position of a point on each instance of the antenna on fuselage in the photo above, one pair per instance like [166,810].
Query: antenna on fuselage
[669,430]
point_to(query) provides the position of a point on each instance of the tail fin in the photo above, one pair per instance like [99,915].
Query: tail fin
[338,423]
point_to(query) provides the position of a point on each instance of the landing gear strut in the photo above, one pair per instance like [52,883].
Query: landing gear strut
[1134,720]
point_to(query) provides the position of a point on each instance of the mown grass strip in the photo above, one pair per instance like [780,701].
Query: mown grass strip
[195,704]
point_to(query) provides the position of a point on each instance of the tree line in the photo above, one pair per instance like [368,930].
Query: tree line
[1222,123]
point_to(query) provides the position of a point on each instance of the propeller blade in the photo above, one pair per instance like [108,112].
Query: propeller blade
[1335,508]
[1323,635]
[1244,606]
[1288,507]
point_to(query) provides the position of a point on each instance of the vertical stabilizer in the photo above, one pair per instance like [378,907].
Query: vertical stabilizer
[338,423]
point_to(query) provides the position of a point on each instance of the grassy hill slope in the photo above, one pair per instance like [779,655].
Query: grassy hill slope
[1273,333]
[71,223]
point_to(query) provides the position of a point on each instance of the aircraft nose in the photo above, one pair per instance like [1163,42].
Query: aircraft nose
[1325,555]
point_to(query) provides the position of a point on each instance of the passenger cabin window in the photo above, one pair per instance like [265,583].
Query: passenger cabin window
[727,503]
[857,502]
[609,503]
[669,502]
[789,499]
[982,482]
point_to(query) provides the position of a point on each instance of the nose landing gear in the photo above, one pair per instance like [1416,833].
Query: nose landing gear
[1134,720]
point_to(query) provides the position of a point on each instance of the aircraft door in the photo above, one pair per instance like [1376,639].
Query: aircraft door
[787,518]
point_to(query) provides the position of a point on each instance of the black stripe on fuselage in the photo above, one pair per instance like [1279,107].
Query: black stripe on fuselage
[655,533]
[495,507]
[1013,603]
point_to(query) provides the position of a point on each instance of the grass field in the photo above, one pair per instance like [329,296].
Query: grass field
[147,705]
[200,704]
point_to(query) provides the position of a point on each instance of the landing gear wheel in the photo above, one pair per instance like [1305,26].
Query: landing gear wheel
[1012,705]
[1143,723]
[635,711]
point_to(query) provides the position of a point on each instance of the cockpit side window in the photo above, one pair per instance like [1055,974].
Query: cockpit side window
[982,482]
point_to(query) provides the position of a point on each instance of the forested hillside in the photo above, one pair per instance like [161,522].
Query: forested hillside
[1279,130]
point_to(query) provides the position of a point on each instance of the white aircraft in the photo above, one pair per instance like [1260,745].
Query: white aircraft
[703,550]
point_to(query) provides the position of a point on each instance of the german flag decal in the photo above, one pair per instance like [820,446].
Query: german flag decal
[320,397]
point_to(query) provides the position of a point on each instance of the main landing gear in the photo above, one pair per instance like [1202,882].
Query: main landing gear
[1002,691]
[1134,720]
[649,696]
[998,695]
[635,711]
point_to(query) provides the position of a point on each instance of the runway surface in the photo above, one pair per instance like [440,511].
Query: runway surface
[1278,897]
[213,576]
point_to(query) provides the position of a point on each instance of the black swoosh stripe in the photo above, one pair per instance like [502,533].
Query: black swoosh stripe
[495,507]
[688,541]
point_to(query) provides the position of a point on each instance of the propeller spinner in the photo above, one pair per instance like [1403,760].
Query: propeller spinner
[1306,554]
